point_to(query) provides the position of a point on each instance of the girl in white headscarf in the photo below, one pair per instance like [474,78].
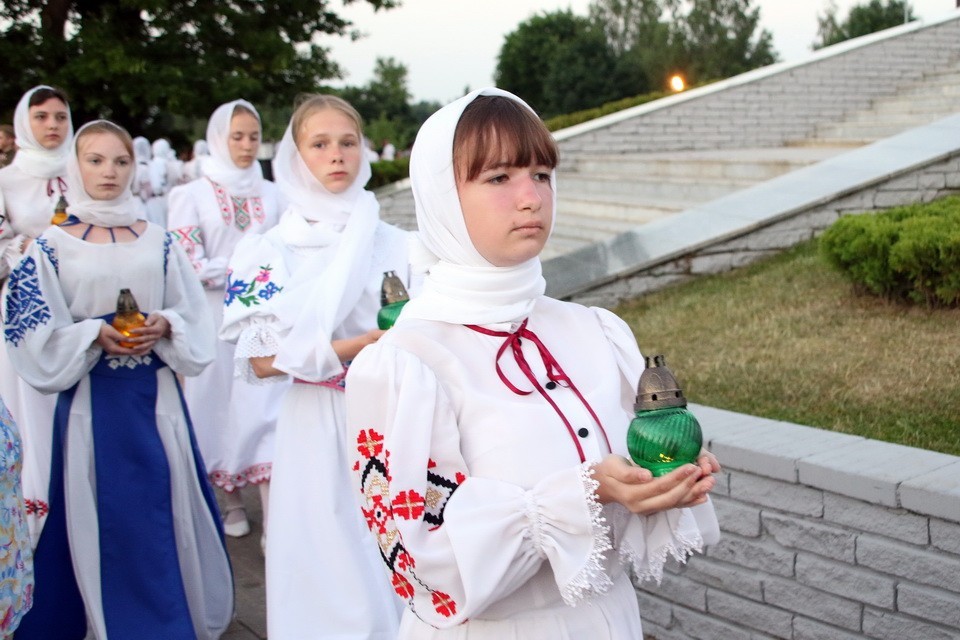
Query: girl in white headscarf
[301,302]
[193,168]
[132,546]
[33,188]
[487,428]
[235,421]
[33,184]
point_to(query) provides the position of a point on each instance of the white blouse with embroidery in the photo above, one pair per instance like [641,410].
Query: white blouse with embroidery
[474,475]
[209,222]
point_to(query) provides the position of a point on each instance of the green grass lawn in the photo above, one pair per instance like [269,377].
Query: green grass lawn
[788,339]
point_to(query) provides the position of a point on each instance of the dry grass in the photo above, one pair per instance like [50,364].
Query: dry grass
[789,339]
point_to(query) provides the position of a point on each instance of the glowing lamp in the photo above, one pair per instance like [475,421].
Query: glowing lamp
[677,83]
[664,434]
[59,212]
[127,317]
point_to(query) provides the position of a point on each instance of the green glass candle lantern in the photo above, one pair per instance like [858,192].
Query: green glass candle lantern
[393,295]
[664,434]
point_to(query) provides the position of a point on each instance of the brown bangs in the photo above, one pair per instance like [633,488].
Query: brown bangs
[494,130]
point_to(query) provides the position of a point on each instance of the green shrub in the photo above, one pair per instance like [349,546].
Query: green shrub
[906,253]
[387,171]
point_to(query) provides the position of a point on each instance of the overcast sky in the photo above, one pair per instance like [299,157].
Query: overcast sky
[449,45]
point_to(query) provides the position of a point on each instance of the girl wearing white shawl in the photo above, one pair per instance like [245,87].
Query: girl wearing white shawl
[31,187]
[301,301]
[234,420]
[131,547]
[485,427]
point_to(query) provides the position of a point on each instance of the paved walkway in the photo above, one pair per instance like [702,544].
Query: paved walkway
[247,559]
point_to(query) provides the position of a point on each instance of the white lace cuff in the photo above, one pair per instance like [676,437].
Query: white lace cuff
[647,541]
[592,579]
[255,341]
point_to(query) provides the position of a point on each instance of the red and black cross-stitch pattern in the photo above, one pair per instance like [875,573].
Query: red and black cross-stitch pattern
[381,513]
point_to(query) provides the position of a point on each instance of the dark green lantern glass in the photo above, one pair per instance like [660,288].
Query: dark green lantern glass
[393,295]
[664,434]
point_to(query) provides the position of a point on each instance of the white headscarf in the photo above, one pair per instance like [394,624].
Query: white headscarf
[141,150]
[325,290]
[119,212]
[218,166]
[32,158]
[461,286]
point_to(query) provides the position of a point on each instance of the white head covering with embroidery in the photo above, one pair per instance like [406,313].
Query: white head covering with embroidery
[32,158]
[324,291]
[218,166]
[122,211]
[460,286]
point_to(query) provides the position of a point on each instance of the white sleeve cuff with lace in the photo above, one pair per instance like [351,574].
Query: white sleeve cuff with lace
[255,341]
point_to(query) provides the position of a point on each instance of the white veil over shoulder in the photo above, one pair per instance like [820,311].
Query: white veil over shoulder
[218,166]
[460,286]
[32,158]
[324,291]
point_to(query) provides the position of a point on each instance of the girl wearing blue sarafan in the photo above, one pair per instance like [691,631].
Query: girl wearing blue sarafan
[132,546]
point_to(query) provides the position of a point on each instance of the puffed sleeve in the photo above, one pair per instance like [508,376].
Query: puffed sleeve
[48,349]
[183,221]
[257,273]
[192,342]
[646,542]
[9,243]
[453,543]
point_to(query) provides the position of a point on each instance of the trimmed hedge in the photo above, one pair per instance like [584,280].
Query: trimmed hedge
[387,171]
[906,253]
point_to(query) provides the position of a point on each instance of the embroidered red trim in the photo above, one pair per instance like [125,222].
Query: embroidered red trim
[37,508]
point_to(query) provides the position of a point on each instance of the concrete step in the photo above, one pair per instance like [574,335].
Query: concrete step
[863,131]
[617,209]
[908,105]
[669,168]
[638,189]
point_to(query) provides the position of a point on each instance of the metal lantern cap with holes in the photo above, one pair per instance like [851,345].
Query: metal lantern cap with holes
[393,295]
[664,434]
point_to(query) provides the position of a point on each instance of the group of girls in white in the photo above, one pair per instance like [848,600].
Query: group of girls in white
[459,475]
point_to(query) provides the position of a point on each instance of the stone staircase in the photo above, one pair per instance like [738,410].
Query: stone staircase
[602,195]
[935,96]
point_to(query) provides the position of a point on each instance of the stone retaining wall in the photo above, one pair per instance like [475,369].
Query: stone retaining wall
[923,185]
[809,552]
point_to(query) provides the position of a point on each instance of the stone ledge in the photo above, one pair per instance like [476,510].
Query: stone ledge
[891,475]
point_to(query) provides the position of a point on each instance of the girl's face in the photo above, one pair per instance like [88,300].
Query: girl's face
[49,122]
[508,212]
[329,144]
[244,140]
[105,165]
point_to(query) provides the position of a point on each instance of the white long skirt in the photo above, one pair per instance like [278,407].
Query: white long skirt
[325,578]
[234,421]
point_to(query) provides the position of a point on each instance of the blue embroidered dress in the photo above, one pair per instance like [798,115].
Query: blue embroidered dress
[16,552]
[132,546]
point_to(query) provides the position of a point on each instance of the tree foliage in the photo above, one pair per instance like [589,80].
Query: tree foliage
[384,104]
[862,19]
[719,39]
[142,63]
[559,62]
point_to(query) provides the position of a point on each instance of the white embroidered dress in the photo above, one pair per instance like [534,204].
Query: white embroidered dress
[58,294]
[477,495]
[321,567]
[474,423]
[31,188]
[234,420]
